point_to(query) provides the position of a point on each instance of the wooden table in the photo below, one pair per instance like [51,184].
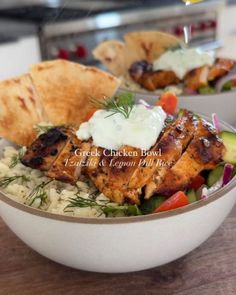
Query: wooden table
[209,270]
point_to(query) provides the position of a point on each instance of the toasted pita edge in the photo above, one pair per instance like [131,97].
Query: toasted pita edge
[112,54]
[20,110]
[149,45]
[67,100]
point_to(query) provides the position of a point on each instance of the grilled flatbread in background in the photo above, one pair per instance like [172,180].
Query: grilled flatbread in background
[66,88]
[118,56]
[20,110]
[112,54]
[149,45]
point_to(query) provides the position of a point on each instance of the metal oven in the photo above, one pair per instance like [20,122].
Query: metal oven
[72,31]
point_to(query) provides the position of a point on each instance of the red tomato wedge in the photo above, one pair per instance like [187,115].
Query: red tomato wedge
[89,115]
[177,200]
[197,182]
[169,102]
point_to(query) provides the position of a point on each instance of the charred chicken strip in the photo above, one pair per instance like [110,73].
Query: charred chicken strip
[203,153]
[158,79]
[141,72]
[68,165]
[197,78]
[171,146]
[221,67]
[168,149]
[46,148]
[111,174]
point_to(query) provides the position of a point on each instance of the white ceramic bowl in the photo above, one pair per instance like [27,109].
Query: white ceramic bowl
[223,104]
[119,244]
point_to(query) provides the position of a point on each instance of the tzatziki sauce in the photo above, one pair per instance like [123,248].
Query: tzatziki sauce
[181,61]
[111,131]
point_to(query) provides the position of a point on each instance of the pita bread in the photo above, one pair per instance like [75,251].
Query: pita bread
[20,110]
[112,54]
[65,89]
[148,45]
[144,45]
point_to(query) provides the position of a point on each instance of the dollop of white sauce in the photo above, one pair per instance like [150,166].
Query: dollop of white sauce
[182,61]
[140,130]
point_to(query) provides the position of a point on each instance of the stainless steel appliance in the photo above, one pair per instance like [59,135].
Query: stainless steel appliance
[73,30]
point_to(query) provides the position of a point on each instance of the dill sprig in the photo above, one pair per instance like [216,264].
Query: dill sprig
[16,158]
[122,103]
[40,129]
[6,180]
[103,205]
[39,193]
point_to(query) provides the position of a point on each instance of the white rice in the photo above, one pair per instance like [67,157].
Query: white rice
[57,193]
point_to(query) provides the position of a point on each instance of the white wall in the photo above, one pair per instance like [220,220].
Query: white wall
[16,57]
[227,31]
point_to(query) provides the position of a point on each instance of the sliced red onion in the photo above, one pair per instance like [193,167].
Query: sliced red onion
[201,192]
[204,194]
[221,82]
[227,174]
[216,122]
[144,103]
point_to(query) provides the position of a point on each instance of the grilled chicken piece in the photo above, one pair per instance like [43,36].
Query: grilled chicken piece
[221,67]
[197,78]
[158,79]
[46,148]
[111,174]
[68,165]
[204,152]
[169,149]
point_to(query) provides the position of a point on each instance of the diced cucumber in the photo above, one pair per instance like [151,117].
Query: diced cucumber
[192,196]
[227,86]
[214,175]
[148,206]
[206,90]
[229,140]
[234,171]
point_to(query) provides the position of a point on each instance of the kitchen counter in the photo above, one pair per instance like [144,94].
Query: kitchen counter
[209,270]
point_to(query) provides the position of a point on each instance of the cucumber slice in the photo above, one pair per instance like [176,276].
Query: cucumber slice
[234,171]
[229,140]
[206,90]
[192,196]
[148,206]
[214,175]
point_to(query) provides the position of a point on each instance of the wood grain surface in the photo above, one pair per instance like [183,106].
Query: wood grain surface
[209,270]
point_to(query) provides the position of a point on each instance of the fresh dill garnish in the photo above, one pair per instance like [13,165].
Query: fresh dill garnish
[6,180]
[16,158]
[39,193]
[105,206]
[122,103]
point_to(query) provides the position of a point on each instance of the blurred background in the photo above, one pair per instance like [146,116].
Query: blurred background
[34,30]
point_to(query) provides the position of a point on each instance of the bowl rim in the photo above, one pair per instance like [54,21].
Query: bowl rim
[150,94]
[128,219]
